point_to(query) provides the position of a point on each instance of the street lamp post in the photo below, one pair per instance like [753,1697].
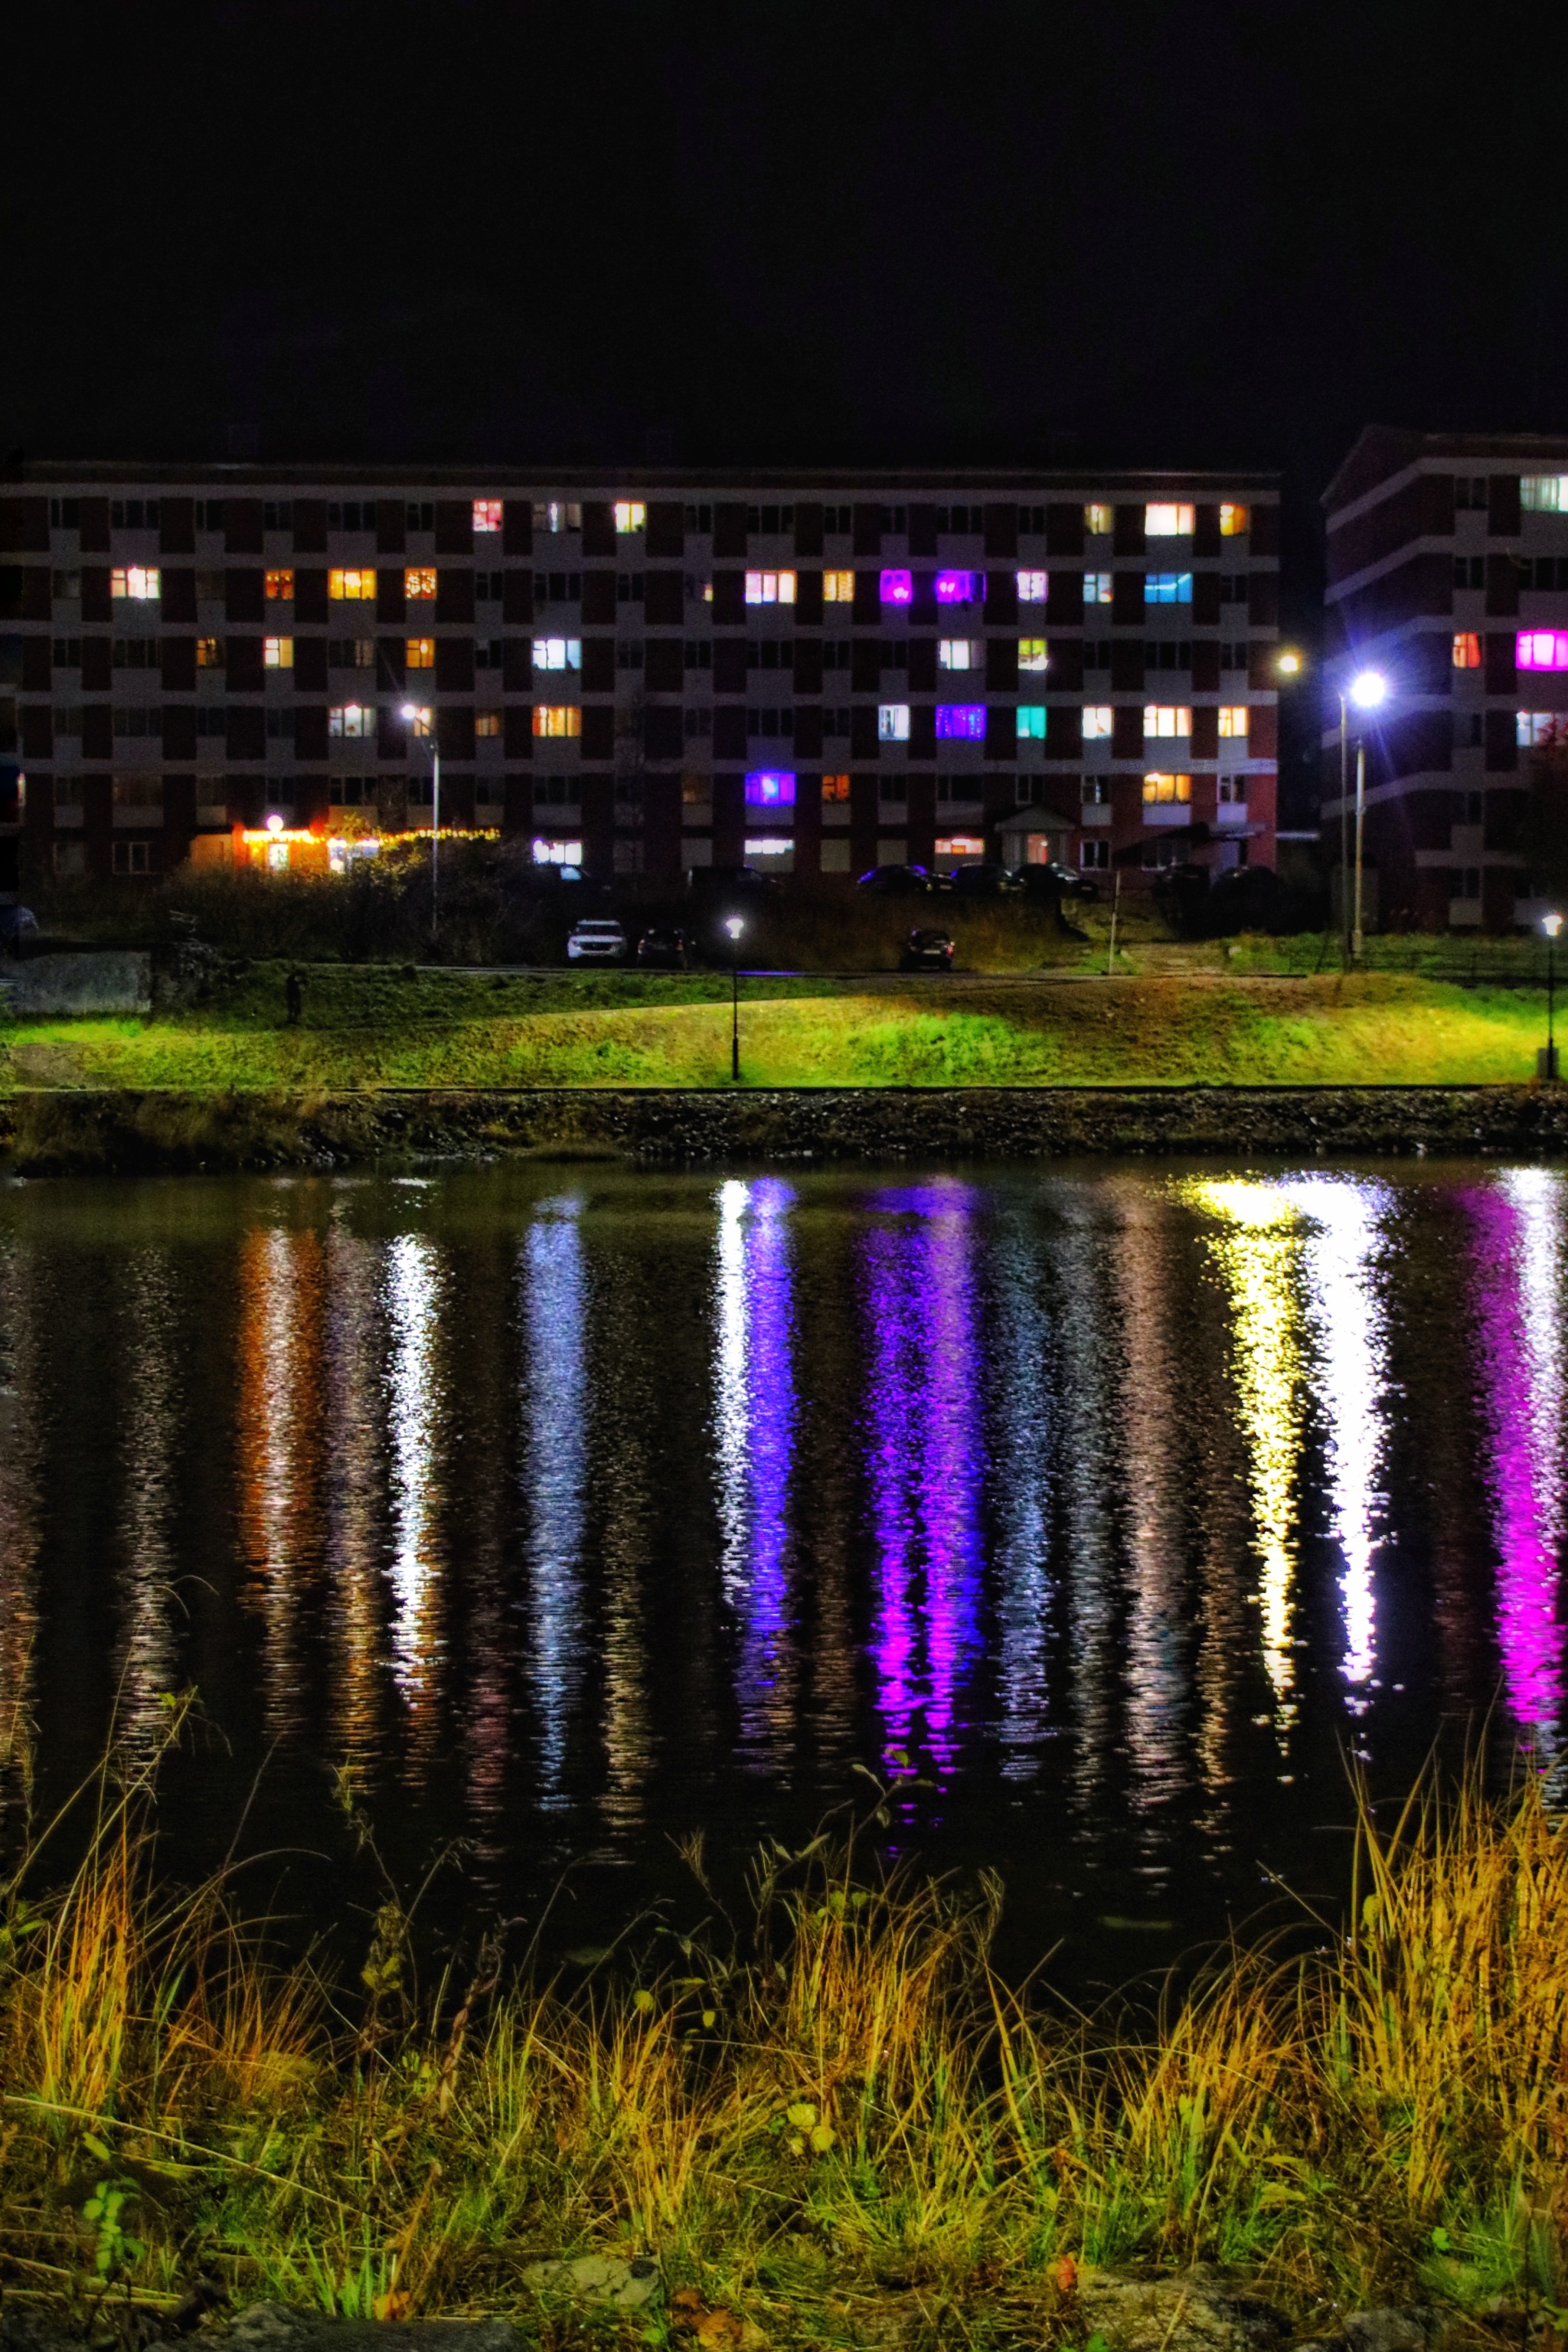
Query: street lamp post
[1546,1063]
[1368,691]
[735,926]
[412,714]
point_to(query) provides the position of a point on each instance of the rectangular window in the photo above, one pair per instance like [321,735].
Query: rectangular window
[1234,521]
[1034,587]
[630,515]
[962,722]
[838,587]
[1097,587]
[1544,493]
[209,653]
[281,587]
[897,588]
[1100,520]
[419,583]
[1233,718]
[1097,726]
[893,723]
[422,722]
[420,653]
[1538,727]
[1034,655]
[1031,722]
[1095,854]
[770,788]
[352,721]
[351,587]
[136,583]
[557,515]
[1232,792]
[558,653]
[1166,718]
[1096,792]
[1466,649]
[1167,521]
[960,653]
[953,848]
[1539,649]
[556,719]
[487,514]
[1160,791]
[836,791]
[278,653]
[956,587]
[486,723]
[771,588]
[1168,588]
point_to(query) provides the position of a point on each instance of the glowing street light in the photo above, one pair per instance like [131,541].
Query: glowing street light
[734,925]
[412,713]
[1546,1064]
[274,822]
[1368,690]
[1289,663]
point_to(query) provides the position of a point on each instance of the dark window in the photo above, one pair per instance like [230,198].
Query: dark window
[419,517]
[699,653]
[65,514]
[700,519]
[277,514]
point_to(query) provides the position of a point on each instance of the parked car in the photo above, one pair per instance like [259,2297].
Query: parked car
[927,950]
[895,881]
[598,940]
[18,929]
[1056,881]
[662,948]
[980,880]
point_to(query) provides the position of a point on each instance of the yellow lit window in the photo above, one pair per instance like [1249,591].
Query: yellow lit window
[1466,649]
[1160,791]
[838,587]
[487,722]
[355,720]
[1234,521]
[419,581]
[421,722]
[1167,719]
[1032,654]
[630,514]
[278,653]
[836,788]
[1097,723]
[136,583]
[351,587]
[487,514]
[209,653]
[1233,718]
[1099,519]
[1168,521]
[771,588]
[421,653]
[557,718]
[281,587]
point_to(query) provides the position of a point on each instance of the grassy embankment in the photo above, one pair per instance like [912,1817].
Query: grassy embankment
[373,1026]
[843,2103]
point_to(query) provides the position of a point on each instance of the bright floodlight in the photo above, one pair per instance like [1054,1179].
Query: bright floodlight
[409,711]
[275,823]
[1290,665]
[1368,688]
[1552,925]
[735,926]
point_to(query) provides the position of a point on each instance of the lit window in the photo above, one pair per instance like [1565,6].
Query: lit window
[352,721]
[1466,649]
[1031,722]
[557,718]
[420,653]
[1168,587]
[1234,521]
[1097,587]
[838,587]
[962,721]
[960,653]
[1544,493]
[487,514]
[487,722]
[558,653]
[1166,718]
[422,722]
[1099,519]
[630,515]
[557,514]
[836,788]
[893,723]
[1033,654]
[281,587]
[1537,727]
[770,788]
[278,653]
[898,588]
[351,587]
[209,653]
[1034,587]
[418,582]
[1097,723]
[771,588]
[1233,718]
[1539,649]
[136,583]
[952,848]
[1168,522]
[956,587]
[1160,791]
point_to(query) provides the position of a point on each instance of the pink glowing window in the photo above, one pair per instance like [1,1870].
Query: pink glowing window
[964,721]
[1542,649]
[487,514]
[956,587]
[898,588]
[768,788]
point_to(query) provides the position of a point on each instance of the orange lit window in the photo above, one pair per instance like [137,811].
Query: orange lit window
[209,653]
[557,718]
[419,581]
[1167,719]
[137,583]
[281,587]
[278,653]
[487,514]
[1466,649]
[1159,790]
[421,653]
[1234,521]
[351,587]
[838,587]
[420,722]
[1233,718]
[836,788]
[487,722]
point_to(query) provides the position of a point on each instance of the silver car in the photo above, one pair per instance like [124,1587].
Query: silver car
[596,941]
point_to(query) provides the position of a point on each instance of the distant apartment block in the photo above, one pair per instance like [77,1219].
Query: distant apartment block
[646,673]
[1447,570]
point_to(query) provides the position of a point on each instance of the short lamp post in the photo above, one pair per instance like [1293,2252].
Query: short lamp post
[1546,1060]
[413,714]
[1368,691]
[735,926]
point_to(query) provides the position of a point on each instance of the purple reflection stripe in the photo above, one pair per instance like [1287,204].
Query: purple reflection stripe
[771,1415]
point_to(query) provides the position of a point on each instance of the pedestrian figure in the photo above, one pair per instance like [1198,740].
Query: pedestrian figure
[294,998]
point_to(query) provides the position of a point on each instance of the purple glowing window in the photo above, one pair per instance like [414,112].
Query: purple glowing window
[898,588]
[770,788]
[1542,649]
[965,720]
[956,587]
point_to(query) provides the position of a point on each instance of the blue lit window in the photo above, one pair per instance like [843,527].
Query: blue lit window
[957,587]
[963,720]
[1031,722]
[1168,588]
[770,788]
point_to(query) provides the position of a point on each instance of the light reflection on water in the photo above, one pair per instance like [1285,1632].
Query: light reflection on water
[578,1515]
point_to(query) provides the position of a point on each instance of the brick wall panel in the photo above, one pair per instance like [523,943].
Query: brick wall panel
[517,599]
[25,526]
[729,528]
[454,526]
[455,731]
[665,528]
[37,730]
[92,532]
[729,599]
[248,732]
[664,599]
[1127,599]
[455,664]
[97,732]
[1127,734]
[176,526]
[517,527]
[598,527]
[242,523]
[518,725]
[1064,528]
[391,603]
[310,601]
[179,731]
[729,733]
[1001,732]
[598,666]
[454,593]
[391,527]
[808,600]
[309,664]
[1002,530]
[97,666]
[1128,537]
[244,594]
[664,733]
[310,527]
[664,666]
[179,595]
[599,599]
[96,602]
[178,658]
[37,666]
[1064,601]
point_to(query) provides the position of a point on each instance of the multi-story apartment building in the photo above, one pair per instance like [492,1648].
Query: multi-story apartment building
[1447,570]
[648,672]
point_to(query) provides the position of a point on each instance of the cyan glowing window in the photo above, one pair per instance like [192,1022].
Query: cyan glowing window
[1097,587]
[1542,649]
[770,587]
[1168,521]
[1167,587]
[770,788]
[956,587]
[960,653]
[1544,493]
[1538,727]
[893,723]
[960,721]
[558,653]
[1034,654]
[1166,718]
[898,588]
[1031,722]
[1034,587]
[1097,723]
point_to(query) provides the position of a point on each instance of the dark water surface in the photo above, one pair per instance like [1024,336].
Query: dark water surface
[581,1509]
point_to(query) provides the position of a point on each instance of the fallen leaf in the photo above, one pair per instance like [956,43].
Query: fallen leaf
[1065,2273]
[720,2331]
[687,2307]
[393,2305]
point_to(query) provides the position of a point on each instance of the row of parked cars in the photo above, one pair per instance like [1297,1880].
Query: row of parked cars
[982,881]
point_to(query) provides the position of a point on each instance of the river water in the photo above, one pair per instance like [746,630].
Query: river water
[1110,1512]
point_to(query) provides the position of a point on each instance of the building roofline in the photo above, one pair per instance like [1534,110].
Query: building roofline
[1382,452]
[51,471]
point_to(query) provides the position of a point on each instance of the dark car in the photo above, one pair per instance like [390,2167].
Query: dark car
[18,929]
[1056,881]
[662,948]
[895,881]
[927,950]
[980,880]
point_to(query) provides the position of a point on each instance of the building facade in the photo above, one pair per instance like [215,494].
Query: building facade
[1447,573]
[648,672]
